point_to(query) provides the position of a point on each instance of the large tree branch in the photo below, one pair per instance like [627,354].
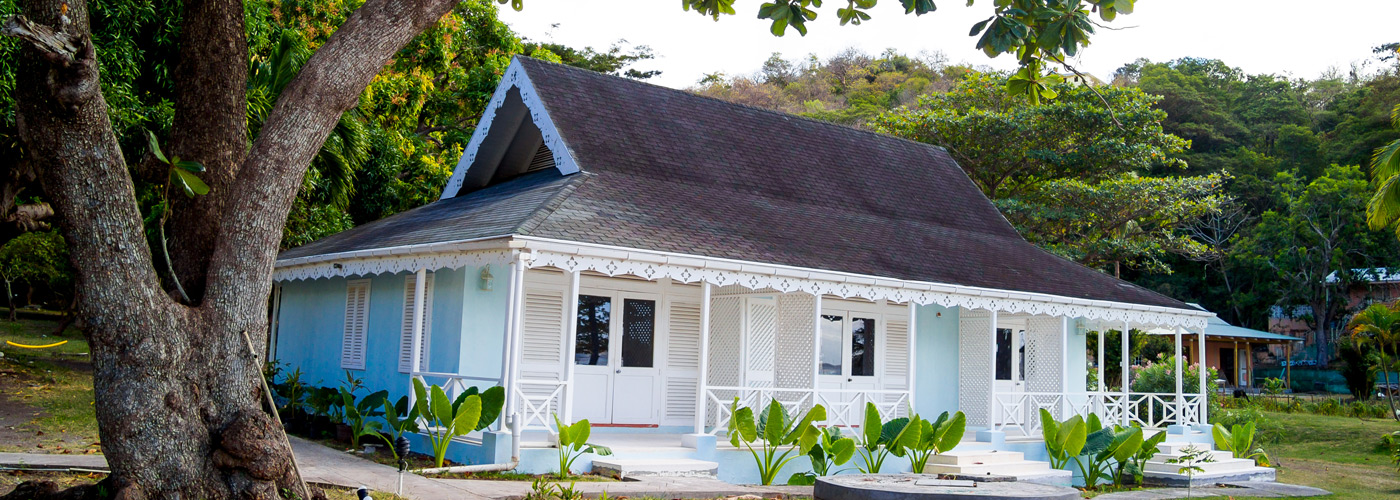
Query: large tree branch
[307,110]
[210,126]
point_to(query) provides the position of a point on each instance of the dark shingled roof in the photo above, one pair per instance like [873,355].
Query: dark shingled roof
[671,171]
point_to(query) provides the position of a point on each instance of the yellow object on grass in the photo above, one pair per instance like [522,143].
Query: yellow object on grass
[55,344]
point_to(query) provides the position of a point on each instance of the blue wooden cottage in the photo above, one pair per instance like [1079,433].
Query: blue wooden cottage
[640,256]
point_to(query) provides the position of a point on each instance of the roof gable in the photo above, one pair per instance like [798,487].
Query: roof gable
[512,138]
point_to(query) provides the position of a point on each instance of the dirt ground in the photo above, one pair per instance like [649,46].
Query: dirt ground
[45,394]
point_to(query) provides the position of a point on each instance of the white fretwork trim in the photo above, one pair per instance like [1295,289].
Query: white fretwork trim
[515,76]
[391,264]
[890,290]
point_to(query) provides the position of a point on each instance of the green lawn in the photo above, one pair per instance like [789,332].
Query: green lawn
[56,380]
[1339,454]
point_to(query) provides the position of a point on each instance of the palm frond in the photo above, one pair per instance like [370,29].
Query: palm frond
[1383,209]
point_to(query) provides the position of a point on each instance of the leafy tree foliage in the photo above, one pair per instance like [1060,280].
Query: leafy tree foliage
[1009,147]
[38,260]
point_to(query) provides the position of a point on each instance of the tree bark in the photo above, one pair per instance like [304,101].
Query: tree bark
[176,389]
[210,126]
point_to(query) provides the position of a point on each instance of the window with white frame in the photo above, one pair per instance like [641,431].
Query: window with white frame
[406,331]
[352,346]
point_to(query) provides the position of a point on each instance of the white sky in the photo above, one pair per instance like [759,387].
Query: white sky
[1298,38]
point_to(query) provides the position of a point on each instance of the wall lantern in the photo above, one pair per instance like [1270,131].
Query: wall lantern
[1080,329]
[487,280]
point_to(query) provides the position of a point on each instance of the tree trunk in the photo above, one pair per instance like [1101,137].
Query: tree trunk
[176,388]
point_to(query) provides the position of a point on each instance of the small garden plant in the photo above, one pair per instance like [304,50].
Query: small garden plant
[358,414]
[1239,441]
[832,450]
[1190,460]
[400,420]
[774,430]
[1063,440]
[935,438]
[573,443]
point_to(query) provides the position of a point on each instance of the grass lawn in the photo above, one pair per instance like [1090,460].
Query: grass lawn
[45,394]
[1339,454]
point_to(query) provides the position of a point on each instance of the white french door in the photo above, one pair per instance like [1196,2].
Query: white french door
[849,353]
[1010,360]
[615,358]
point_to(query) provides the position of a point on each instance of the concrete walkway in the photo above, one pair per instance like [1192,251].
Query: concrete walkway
[320,464]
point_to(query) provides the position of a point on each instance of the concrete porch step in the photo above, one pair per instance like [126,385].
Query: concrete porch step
[1175,447]
[976,457]
[1227,465]
[658,467]
[1214,455]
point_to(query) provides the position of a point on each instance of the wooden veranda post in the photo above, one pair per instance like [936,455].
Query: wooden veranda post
[701,403]
[1127,385]
[1202,372]
[571,345]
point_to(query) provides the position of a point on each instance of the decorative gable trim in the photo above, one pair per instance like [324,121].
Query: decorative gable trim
[515,76]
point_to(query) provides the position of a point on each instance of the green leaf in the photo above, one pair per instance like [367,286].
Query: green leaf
[802,479]
[809,440]
[467,416]
[842,450]
[580,431]
[155,147]
[1049,428]
[421,401]
[1129,447]
[492,400]
[816,414]
[1096,442]
[1074,433]
[748,431]
[952,432]
[191,183]
[191,166]
[441,405]
[1222,437]
[562,429]
[871,428]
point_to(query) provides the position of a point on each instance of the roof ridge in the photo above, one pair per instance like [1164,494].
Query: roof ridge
[739,105]
[546,209]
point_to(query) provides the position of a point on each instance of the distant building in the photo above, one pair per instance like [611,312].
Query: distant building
[1368,286]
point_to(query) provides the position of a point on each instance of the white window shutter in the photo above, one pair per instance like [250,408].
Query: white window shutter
[406,328]
[352,347]
[896,356]
[682,361]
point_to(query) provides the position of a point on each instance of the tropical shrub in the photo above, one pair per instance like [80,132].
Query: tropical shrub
[1273,386]
[1239,441]
[878,441]
[1160,377]
[1391,444]
[573,443]
[447,418]
[937,437]
[832,450]
[774,430]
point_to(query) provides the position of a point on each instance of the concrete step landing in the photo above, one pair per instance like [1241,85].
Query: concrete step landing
[656,467]
[1223,468]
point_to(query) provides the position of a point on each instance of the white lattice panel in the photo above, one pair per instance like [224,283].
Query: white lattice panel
[796,338]
[724,341]
[1044,365]
[762,335]
[975,365]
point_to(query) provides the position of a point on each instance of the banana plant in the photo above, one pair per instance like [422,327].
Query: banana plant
[573,443]
[832,450]
[878,441]
[447,418]
[1239,441]
[774,430]
[937,437]
[1063,440]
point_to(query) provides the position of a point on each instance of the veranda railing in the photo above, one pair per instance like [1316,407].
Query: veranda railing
[1021,410]
[844,407]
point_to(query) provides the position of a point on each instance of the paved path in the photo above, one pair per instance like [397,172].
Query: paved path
[320,464]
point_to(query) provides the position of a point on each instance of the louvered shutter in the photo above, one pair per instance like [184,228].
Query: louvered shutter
[542,337]
[682,361]
[896,375]
[352,347]
[406,329]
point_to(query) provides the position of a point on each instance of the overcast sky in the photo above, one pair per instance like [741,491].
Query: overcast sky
[1299,38]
